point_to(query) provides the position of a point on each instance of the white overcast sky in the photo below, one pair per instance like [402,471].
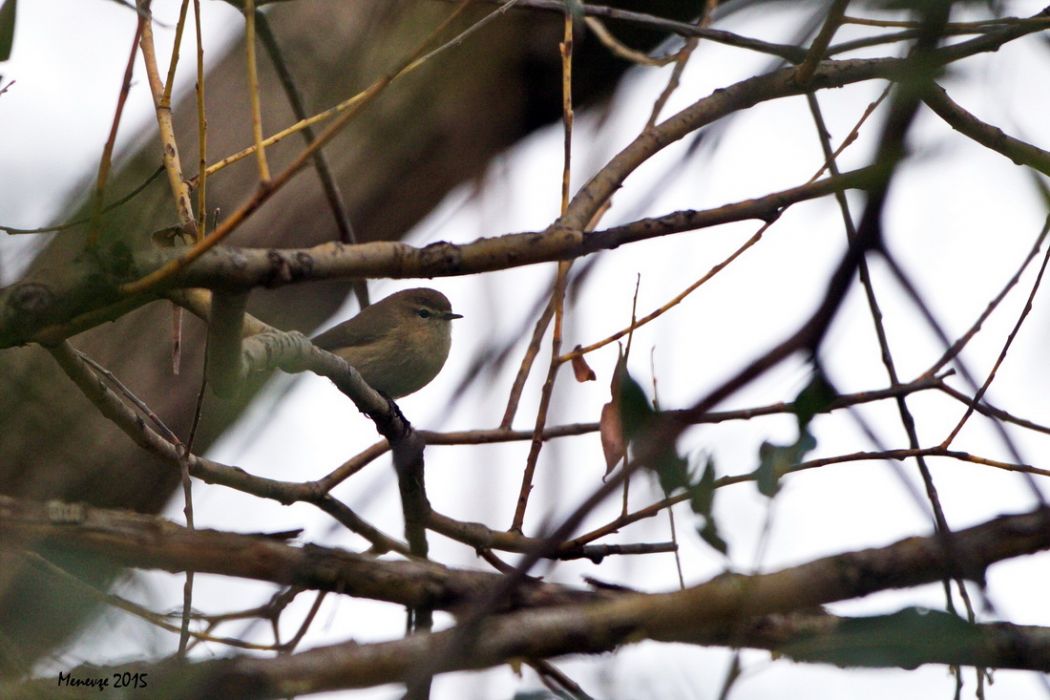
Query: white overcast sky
[960,220]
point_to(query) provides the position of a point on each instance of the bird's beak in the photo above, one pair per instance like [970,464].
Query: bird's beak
[450,316]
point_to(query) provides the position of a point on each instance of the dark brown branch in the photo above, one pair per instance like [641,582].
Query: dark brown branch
[481,536]
[794,54]
[703,614]
[245,267]
[992,137]
[26,309]
[151,542]
[113,408]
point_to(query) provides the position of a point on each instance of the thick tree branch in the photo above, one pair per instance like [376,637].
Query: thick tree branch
[729,609]
[124,417]
[151,542]
[27,309]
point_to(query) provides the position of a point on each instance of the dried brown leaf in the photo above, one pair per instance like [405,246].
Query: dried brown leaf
[611,430]
[610,426]
[581,369]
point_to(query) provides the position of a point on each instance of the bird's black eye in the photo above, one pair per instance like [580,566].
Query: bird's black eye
[423,313]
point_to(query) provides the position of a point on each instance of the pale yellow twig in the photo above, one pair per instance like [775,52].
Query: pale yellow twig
[355,100]
[165,126]
[253,91]
[266,189]
[175,47]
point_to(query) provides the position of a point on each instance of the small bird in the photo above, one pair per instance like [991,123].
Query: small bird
[398,344]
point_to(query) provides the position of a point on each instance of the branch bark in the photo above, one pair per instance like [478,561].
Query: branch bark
[729,609]
[151,542]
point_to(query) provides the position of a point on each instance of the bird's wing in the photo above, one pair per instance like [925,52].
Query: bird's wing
[339,337]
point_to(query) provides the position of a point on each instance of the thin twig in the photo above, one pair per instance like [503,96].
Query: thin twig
[819,47]
[106,161]
[78,584]
[557,302]
[681,58]
[324,172]
[1006,346]
[266,190]
[531,351]
[165,125]
[253,92]
[755,238]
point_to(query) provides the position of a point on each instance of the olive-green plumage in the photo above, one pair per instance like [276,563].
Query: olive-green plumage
[398,344]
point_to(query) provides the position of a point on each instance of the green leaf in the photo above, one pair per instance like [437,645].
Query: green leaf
[907,639]
[636,412]
[702,498]
[709,534]
[672,470]
[806,444]
[770,459]
[816,397]
[776,460]
[7,28]
[638,419]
